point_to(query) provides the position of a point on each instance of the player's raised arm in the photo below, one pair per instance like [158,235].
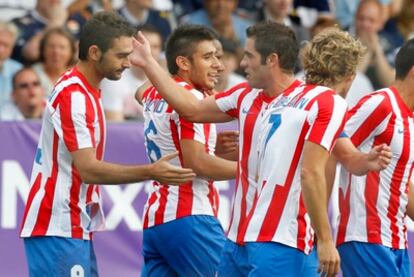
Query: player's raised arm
[188,106]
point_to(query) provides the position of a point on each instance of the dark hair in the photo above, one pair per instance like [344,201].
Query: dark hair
[183,41]
[20,71]
[271,37]
[404,60]
[101,30]
[60,31]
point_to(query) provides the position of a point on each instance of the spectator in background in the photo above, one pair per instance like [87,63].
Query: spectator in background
[140,12]
[310,10]
[280,11]
[378,60]
[28,97]
[118,96]
[8,67]
[227,76]
[89,7]
[47,14]
[219,14]
[405,19]
[345,10]
[57,55]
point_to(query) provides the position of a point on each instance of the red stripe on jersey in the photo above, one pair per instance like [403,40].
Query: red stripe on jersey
[395,192]
[280,195]
[151,201]
[376,117]
[371,198]
[45,209]
[345,209]
[33,192]
[318,129]
[89,118]
[244,225]
[176,139]
[99,151]
[185,192]
[301,224]
[159,213]
[249,123]
[246,89]
[77,231]
[211,189]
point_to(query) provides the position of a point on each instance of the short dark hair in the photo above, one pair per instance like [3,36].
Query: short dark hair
[63,32]
[20,71]
[404,60]
[101,30]
[183,41]
[271,37]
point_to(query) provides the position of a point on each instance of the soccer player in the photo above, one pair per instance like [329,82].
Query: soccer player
[182,235]
[372,235]
[269,59]
[64,205]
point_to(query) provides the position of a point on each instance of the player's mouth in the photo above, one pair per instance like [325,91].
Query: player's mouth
[213,77]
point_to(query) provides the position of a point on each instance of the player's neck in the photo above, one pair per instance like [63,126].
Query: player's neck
[90,74]
[405,90]
[279,85]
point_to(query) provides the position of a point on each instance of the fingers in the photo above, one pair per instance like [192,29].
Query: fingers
[169,157]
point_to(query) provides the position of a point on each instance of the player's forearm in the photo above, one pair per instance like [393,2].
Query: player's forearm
[177,96]
[330,173]
[100,172]
[350,157]
[213,167]
[313,190]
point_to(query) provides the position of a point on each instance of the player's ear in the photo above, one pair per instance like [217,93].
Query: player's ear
[94,53]
[183,63]
[272,59]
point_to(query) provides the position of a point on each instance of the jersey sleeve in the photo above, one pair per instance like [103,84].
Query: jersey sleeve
[326,119]
[228,101]
[74,121]
[190,130]
[368,118]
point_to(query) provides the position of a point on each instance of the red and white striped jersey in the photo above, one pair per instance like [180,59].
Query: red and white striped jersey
[164,129]
[373,207]
[245,104]
[304,113]
[59,203]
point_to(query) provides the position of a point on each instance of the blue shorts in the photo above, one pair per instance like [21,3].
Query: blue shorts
[367,259]
[311,264]
[189,246]
[274,259]
[57,256]
[233,261]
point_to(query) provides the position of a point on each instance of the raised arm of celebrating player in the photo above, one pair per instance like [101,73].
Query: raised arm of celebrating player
[188,106]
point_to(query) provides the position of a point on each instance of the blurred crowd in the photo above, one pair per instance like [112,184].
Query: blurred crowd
[40,45]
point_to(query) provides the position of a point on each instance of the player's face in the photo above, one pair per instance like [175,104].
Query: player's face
[115,60]
[204,66]
[256,72]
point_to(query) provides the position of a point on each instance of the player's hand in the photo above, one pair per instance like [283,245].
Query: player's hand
[328,256]
[379,157]
[141,53]
[164,172]
[227,141]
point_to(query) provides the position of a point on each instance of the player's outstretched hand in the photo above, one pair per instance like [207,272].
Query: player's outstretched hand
[141,53]
[227,141]
[329,260]
[164,172]
[379,157]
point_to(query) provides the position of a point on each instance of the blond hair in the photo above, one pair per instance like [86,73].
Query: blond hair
[331,57]
[9,28]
